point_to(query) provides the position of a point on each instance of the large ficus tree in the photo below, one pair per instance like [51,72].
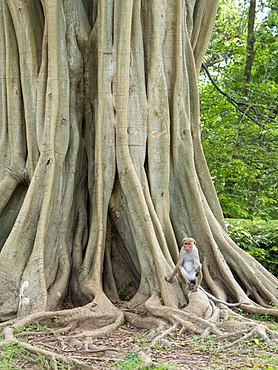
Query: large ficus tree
[102,169]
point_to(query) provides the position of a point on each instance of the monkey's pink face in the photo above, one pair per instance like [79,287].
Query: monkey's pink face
[187,245]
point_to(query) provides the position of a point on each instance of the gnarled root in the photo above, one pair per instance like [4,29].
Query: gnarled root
[188,321]
[153,324]
[200,305]
[246,330]
[54,358]
[98,318]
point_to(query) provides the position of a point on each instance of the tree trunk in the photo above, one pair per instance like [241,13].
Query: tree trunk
[102,169]
[250,52]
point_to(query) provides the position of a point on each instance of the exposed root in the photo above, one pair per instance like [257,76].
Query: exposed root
[55,358]
[259,310]
[258,331]
[242,330]
[215,316]
[237,332]
[72,344]
[144,356]
[99,317]
[206,332]
[200,305]
[170,330]
[73,329]
[188,321]
[8,334]
[152,324]
[104,330]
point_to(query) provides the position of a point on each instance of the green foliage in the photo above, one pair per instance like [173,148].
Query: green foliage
[56,320]
[133,362]
[259,239]
[13,357]
[258,317]
[240,131]
[9,356]
[30,327]
[209,345]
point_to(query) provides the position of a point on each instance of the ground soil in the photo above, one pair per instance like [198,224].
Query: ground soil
[177,351]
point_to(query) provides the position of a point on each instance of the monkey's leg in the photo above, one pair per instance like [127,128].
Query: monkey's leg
[184,276]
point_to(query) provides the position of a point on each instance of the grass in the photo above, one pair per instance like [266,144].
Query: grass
[251,354]
[13,357]
[133,362]
[30,327]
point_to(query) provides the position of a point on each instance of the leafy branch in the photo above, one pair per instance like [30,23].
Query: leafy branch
[237,104]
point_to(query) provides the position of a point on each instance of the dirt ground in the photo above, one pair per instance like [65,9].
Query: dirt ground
[175,352]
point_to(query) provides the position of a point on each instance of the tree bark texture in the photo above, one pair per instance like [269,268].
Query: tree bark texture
[102,170]
[250,52]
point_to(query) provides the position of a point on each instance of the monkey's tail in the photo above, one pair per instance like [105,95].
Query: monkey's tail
[216,300]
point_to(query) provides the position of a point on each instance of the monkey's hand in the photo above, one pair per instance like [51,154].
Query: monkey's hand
[198,270]
[169,280]
[190,286]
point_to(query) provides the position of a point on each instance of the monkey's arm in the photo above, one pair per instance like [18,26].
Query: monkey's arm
[198,269]
[197,264]
[174,273]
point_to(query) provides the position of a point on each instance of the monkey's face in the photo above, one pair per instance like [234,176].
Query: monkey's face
[187,246]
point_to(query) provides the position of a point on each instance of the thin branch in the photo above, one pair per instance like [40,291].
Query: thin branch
[234,102]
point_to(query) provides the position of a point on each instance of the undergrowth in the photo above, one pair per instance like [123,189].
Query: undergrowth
[258,238]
